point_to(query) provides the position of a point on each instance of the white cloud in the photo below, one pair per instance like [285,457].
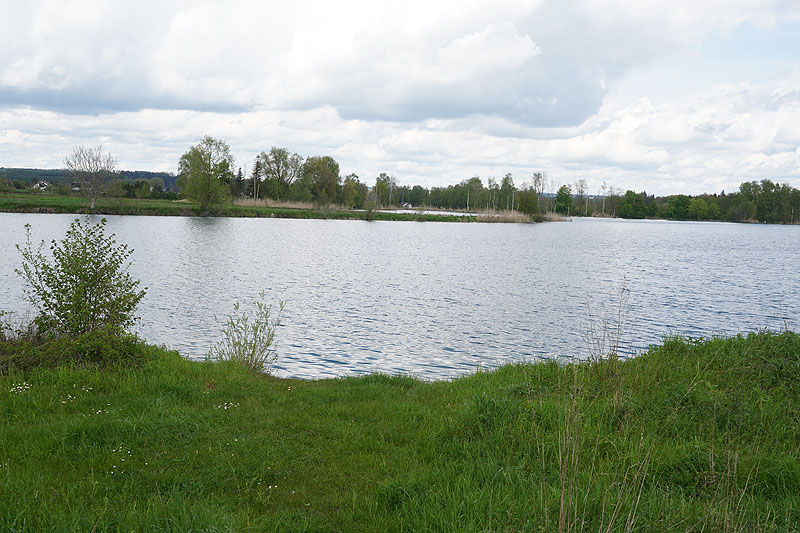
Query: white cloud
[431,91]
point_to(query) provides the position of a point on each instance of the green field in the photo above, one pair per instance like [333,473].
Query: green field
[691,436]
[45,203]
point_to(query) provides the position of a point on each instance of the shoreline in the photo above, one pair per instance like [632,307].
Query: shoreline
[51,204]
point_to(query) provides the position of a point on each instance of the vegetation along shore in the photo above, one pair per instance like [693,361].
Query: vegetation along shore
[285,184]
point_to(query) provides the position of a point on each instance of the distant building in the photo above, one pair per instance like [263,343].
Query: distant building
[40,185]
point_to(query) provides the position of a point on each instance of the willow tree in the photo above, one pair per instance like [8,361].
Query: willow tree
[206,171]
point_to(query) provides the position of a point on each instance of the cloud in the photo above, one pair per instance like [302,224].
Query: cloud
[546,63]
[709,141]
[433,92]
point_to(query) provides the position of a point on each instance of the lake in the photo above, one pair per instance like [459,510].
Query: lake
[438,300]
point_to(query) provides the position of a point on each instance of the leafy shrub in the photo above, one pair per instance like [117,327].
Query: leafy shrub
[103,347]
[86,286]
[250,340]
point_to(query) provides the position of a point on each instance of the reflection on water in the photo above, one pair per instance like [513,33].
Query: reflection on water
[439,300]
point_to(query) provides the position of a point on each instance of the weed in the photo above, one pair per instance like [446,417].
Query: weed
[250,340]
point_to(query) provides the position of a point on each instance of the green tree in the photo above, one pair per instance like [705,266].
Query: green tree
[322,175]
[351,191]
[237,184]
[383,189]
[632,206]
[564,200]
[698,209]
[527,200]
[678,207]
[206,171]
[86,286]
[279,170]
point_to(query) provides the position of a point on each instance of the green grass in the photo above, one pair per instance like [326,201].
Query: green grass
[45,203]
[693,435]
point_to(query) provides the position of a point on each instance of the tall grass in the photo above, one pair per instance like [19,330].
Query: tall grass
[268,202]
[695,435]
[502,216]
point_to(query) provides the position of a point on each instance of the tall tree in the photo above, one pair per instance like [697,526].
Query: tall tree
[564,200]
[206,171]
[351,191]
[507,191]
[581,196]
[539,181]
[92,168]
[322,173]
[281,169]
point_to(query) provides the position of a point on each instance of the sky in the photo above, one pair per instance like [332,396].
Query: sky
[668,97]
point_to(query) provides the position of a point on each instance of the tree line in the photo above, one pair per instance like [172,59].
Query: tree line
[207,175]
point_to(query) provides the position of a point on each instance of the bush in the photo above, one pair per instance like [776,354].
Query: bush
[248,340]
[103,347]
[86,288]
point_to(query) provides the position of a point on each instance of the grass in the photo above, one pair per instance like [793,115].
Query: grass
[45,203]
[691,436]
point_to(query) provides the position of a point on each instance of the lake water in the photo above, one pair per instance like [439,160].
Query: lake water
[439,300]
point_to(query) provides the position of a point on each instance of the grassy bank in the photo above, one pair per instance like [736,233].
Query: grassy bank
[44,203]
[690,436]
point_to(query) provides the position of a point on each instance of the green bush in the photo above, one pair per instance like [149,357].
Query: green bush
[102,348]
[85,287]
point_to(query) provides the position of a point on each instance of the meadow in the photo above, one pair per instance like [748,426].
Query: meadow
[693,435]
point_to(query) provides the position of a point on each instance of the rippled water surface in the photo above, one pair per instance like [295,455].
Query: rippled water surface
[441,299]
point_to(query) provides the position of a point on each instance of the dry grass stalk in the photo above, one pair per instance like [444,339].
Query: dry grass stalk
[269,202]
[503,216]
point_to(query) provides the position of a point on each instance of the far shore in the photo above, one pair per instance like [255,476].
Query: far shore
[55,204]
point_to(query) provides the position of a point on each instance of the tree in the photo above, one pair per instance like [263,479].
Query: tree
[603,189]
[385,187]
[507,192]
[351,191]
[678,207]
[581,190]
[539,180]
[632,206]
[322,175]
[474,187]
[255,180]
[237,184]
[280,169]
[564,200]
[92,168]
[528,200]
[86,287]
[206,171]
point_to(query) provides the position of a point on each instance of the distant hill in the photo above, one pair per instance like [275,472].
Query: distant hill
[58,175]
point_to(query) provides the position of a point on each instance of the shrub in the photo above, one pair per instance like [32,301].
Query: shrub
[86,286]
[250,340]
[103,347]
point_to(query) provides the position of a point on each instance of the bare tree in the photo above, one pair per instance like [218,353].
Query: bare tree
[92,168]
[603,189]
[581,190]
